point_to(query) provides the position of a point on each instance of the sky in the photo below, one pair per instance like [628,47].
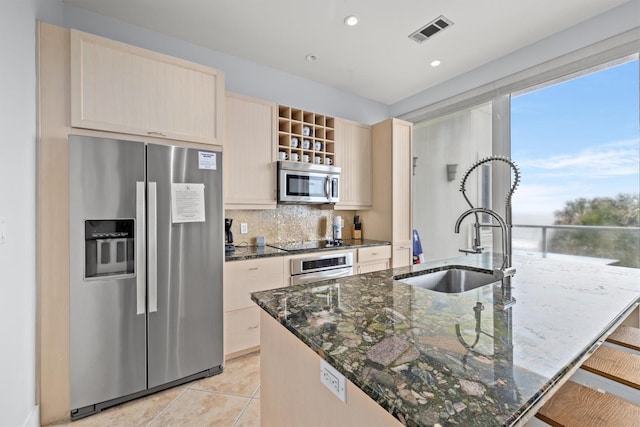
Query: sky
[578,138]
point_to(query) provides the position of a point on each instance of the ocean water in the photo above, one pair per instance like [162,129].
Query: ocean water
[529,239]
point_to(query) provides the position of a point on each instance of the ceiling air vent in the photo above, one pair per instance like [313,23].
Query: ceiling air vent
[431,29]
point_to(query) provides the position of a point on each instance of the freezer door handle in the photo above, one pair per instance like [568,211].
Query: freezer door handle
[140,249]
[153,248]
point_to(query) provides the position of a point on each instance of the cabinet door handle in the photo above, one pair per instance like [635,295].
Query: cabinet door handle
[154,133]
[254,268]
[254,327]
[374,253]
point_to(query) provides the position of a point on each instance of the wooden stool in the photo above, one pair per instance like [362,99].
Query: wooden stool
[626,336]
[575,405]
[617,365]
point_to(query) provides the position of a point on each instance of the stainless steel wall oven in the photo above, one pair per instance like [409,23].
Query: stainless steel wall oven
[321,267]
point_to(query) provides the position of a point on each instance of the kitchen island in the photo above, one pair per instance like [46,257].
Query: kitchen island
[419,357]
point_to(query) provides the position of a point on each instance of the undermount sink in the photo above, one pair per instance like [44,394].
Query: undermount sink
[450,281]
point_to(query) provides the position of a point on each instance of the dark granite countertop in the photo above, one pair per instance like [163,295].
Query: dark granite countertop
[251,252]
[467,359]
[293,248]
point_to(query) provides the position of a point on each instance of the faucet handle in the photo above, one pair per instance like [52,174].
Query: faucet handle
[501,273]
[474,250]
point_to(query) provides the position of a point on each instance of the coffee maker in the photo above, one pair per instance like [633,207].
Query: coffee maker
[228,236]
[337,230]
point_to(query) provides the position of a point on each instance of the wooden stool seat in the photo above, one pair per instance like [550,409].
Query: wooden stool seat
[617,365]
[580,406]
[626,336]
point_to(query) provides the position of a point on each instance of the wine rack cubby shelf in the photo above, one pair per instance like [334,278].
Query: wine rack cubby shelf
[308,136]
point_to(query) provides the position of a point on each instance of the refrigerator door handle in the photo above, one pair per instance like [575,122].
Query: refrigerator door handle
[153,248]
[140,249]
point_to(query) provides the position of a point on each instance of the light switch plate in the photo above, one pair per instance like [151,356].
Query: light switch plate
[3,230]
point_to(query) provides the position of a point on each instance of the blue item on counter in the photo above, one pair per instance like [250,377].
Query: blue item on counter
[418,256]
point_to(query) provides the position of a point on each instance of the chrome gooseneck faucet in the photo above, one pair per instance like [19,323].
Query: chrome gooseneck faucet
[506,270]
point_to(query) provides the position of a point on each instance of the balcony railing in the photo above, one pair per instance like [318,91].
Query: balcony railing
[621,245]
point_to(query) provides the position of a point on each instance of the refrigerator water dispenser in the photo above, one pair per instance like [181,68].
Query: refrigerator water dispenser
[109,248]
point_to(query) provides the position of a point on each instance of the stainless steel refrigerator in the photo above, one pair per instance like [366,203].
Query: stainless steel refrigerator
[146,254]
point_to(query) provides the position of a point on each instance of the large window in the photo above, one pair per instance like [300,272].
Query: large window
[577,144]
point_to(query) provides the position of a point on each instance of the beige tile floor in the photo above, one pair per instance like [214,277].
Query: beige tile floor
[230,399]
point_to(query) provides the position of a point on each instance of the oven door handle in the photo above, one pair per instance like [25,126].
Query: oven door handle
[321,275]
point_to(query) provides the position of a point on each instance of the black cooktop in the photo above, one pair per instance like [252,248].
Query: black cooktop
[312,244]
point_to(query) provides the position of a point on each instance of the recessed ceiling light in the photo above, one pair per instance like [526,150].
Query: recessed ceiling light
[351,20]
[311,57]
[435,63]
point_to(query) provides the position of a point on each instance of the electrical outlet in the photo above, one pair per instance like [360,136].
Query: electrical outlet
[333,380]
[243,228]
[3,230]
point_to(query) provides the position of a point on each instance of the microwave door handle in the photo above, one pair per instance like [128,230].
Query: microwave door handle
[327,187]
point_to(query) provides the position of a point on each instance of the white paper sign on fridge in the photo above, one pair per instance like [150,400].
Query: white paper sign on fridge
[187,203]
[207,160]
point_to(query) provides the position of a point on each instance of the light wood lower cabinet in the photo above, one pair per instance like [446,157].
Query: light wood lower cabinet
[402,253]
[374,258]
[241,315]
[242,331]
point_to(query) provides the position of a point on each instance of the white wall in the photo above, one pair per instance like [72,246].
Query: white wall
[18,206]
[241,76]
[460,138]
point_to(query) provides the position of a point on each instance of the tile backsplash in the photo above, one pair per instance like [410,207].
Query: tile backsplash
[288,223]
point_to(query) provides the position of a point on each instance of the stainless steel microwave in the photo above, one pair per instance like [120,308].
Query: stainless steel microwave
[308,183]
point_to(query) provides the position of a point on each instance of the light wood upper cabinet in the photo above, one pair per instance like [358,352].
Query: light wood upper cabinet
[353,155]
[390,215]
[250,169]
[117,87]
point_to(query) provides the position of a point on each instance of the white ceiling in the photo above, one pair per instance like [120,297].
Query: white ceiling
[374,59]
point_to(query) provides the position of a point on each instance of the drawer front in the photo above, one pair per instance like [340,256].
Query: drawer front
[242,329]
[374,253]
[244,277]
[370,267]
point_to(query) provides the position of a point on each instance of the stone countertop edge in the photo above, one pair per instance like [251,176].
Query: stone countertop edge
[253,252]
[533,380]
